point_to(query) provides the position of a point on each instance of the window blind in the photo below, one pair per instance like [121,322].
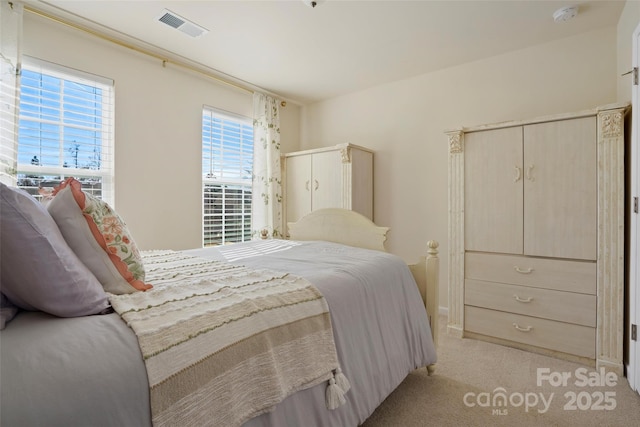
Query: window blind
[65,129]
[227,168]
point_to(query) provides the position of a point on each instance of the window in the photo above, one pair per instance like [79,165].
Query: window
[65,129]
[227,167]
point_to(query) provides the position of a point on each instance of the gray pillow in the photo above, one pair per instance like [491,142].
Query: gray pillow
[7,311]
[39,272]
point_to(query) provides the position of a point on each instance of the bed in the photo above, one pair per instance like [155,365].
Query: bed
[89,370]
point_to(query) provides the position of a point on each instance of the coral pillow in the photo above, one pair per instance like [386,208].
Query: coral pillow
[99,237]
[40,272]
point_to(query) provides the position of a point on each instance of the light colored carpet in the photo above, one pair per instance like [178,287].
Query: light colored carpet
[477,370]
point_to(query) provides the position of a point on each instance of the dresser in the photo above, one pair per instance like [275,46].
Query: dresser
[536,234]
[340,176]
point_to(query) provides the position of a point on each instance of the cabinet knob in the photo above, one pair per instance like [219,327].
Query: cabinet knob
[530,173]
[518,174]
[315,187]
[522,270]
[306,185]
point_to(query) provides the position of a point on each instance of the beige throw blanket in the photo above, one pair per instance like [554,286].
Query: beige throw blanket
[224,343]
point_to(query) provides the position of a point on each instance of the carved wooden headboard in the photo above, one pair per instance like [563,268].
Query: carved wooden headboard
[339,226]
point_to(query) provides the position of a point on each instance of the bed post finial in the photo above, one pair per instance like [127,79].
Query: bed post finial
[432,248]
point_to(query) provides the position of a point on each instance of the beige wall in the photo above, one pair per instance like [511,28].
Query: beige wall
[158,153]
[404,123]
[157,129]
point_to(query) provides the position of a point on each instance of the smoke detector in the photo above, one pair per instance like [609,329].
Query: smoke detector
[564,14]
[181,24]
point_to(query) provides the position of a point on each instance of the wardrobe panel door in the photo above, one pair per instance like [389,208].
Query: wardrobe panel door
[493,190]
[326,171]
[560,204]
[298,182]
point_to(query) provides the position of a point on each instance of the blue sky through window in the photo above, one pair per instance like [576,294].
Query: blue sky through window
[60,122]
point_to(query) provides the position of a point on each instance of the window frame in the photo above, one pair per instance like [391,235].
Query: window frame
[106,171]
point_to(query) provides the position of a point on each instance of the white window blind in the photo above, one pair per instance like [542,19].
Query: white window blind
[227,168]
[65,129]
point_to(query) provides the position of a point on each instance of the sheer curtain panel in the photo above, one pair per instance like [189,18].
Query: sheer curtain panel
[267,181]
[10,40]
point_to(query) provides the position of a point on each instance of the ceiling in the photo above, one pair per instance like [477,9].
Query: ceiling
[306,54]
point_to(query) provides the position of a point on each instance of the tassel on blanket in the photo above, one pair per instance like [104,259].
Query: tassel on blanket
[342,381]
[334,395]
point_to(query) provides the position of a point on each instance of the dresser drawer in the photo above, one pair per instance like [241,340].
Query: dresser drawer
[561,275]
[545,303]
[565,337]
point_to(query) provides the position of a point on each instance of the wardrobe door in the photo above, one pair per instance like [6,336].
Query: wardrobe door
[493,190]
[326,182]
[560,204]
[298,182]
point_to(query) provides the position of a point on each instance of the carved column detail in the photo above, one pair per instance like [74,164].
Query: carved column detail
[610,263]
[611,123]
[455,324]
[347,179]
[456,142]
[345,153]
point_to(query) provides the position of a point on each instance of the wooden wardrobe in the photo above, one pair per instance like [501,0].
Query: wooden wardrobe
[340,176]
[536,234]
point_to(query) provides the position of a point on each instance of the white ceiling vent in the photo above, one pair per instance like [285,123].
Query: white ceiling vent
[179,23]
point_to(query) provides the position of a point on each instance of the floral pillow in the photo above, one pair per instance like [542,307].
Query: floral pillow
[99,237]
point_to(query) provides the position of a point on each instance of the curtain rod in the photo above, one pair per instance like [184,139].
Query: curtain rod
[138,49]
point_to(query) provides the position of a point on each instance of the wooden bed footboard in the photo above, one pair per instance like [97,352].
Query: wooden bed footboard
[426,274]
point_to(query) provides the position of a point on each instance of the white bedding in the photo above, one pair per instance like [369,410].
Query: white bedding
[89,371]
[380,324]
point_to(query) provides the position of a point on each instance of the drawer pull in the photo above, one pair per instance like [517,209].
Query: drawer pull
[528,299]
[527,329]
[523,271]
